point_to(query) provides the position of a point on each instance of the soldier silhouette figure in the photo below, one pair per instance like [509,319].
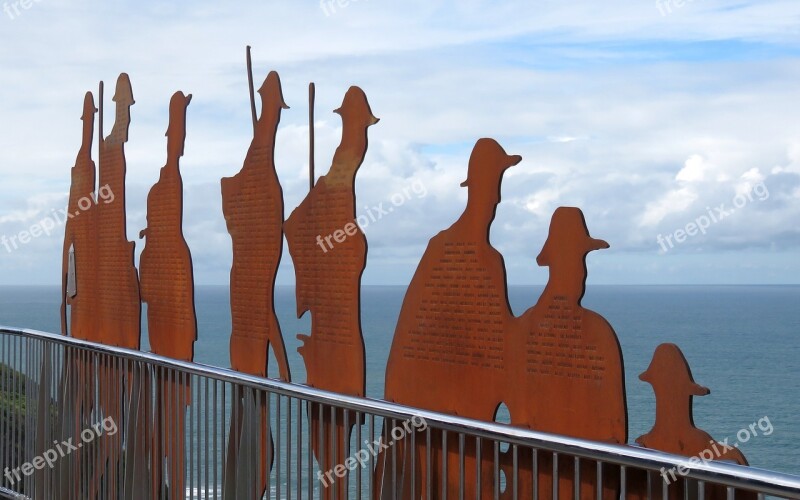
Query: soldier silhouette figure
[567,365]
[252,202]
[674,430]
[79,267]
[167,286]
[118,313]
[78,264]
[329,283]
[447,352]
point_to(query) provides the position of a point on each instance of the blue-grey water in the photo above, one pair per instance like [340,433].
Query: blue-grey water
[741,342]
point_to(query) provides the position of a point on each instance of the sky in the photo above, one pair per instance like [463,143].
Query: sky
[674,126]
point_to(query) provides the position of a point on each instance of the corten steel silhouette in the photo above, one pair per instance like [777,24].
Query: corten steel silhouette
[567,373]
[78,299]
[252,202]
[118,309]
[167,286]
[674,430]
[78,261]
[328,281]
[448,348]
[119,306]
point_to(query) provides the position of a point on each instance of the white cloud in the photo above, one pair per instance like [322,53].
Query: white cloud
[605,101]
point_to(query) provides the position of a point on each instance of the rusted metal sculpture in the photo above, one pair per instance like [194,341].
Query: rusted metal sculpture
[252,202]
[253,205]
[329,253]
[78,300]
[674,430]
[448,348]
[78,260]
[119,307]
[567,365]
[167,286]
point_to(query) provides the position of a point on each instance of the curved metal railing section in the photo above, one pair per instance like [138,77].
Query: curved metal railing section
[77,422]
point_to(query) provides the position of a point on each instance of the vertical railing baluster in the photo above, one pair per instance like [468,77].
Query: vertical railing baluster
[555,476]
[289,428]
[445,457]
[299,447]
[268,398]
[359,445]
[346,452]
[496,467]
[478,464]
[461,465]
[599,482]
[535,473]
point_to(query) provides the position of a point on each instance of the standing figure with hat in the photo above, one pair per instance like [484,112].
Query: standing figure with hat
[674,430]
[119,307]
[167,284]
[329,285]
[447,352]
[252,202]
[568,375]
[78,320]
[118,283]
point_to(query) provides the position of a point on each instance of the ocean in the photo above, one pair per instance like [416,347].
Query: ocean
[740,341]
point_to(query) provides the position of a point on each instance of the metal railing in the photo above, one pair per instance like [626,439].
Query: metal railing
[88,421]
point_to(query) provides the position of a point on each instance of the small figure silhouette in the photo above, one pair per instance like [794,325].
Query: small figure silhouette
[674,430]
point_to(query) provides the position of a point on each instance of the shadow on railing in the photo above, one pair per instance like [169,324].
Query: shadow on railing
[87,421]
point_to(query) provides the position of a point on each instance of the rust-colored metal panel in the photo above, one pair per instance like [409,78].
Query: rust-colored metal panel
[79,268]
[78,301]
[456,337]
[568,358]
[167,282]
[674,430]
[252,202]
[167,286]
[119,307]
[79,254]
[448,352]
[329,252]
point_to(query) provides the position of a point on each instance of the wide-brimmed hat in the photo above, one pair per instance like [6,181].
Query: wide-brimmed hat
[568,236]
[487,162]
[669,366]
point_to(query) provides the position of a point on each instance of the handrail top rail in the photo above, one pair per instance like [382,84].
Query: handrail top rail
[730,474]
